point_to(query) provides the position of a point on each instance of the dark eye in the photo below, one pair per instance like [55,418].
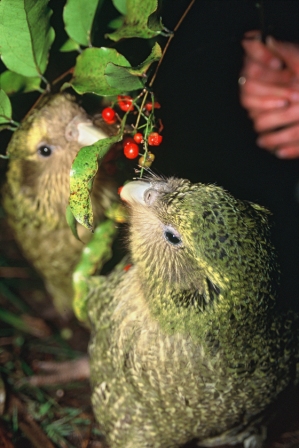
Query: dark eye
[45,150]
[172,236]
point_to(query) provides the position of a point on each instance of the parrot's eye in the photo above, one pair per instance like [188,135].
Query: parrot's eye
[45,150]
[172,236]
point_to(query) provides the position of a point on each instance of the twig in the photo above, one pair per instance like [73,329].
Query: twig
[169,40]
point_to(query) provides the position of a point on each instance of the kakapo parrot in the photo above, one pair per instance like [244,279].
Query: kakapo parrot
[35,196]
[187,341]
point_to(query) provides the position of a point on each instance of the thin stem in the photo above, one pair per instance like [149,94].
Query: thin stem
[169,40]
[145,92]
[69,71]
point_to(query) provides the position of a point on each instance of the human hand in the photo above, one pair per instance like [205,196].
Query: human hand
[269,90]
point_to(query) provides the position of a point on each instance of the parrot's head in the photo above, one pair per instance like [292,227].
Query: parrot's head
[199,238]
[42,149]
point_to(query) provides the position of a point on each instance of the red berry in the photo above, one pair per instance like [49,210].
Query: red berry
[125,102]
[131,150]
[108,115]
[119,189]
[154,139]
[149,106]
[127,140]
[138,137]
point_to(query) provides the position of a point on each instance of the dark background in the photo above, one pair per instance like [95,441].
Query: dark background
[208,136]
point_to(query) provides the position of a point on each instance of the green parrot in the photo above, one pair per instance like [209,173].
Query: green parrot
[187,340]
[36,192]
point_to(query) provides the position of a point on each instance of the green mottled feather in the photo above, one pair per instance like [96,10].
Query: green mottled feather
[188,344]
[37,190]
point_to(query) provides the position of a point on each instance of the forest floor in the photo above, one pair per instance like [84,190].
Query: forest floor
[30,332]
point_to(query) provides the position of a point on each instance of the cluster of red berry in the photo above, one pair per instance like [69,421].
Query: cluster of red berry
[130,144]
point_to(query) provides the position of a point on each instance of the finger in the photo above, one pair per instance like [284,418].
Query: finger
[253,34]
[257,88]
[259,52]
[259,104]
[277,118]
[286,51]
[288,152]
[255,70]
[284,137]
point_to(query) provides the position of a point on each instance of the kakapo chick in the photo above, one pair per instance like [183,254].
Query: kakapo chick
[36,193]
[187,343]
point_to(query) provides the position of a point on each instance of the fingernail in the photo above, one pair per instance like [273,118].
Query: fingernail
[275,63]
[259,142]
[280,103]
[242,80]
[282,154]
[270,41]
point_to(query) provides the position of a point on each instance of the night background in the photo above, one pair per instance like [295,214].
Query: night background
[207,135]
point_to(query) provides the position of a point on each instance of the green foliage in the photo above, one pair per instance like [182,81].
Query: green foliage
[84,169]
[127,78]
[93,257]
[137,21]
[5,108]
[121,6]
[25,35]
[78,17]
[89,73]
[69,45]
[12,82]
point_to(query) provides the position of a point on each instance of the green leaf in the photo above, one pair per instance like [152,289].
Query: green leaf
[25,35]
[78,18]
[12,82]
[71,220]
[116,23]
[69,45]
[139,21]
[89,72]
[121,6]
[127,78]
[119,78]
[97,252]
[84,169]
[5,108]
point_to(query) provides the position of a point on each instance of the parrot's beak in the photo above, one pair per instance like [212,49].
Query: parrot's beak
[134,191]
[84,132]
[89,134]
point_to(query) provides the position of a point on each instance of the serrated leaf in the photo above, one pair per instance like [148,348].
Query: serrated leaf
[84,169]
[12,82]
[139,21]
[89,72]
[5,108]
[78,18]
[25,35]
[69,45]
[121,6]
